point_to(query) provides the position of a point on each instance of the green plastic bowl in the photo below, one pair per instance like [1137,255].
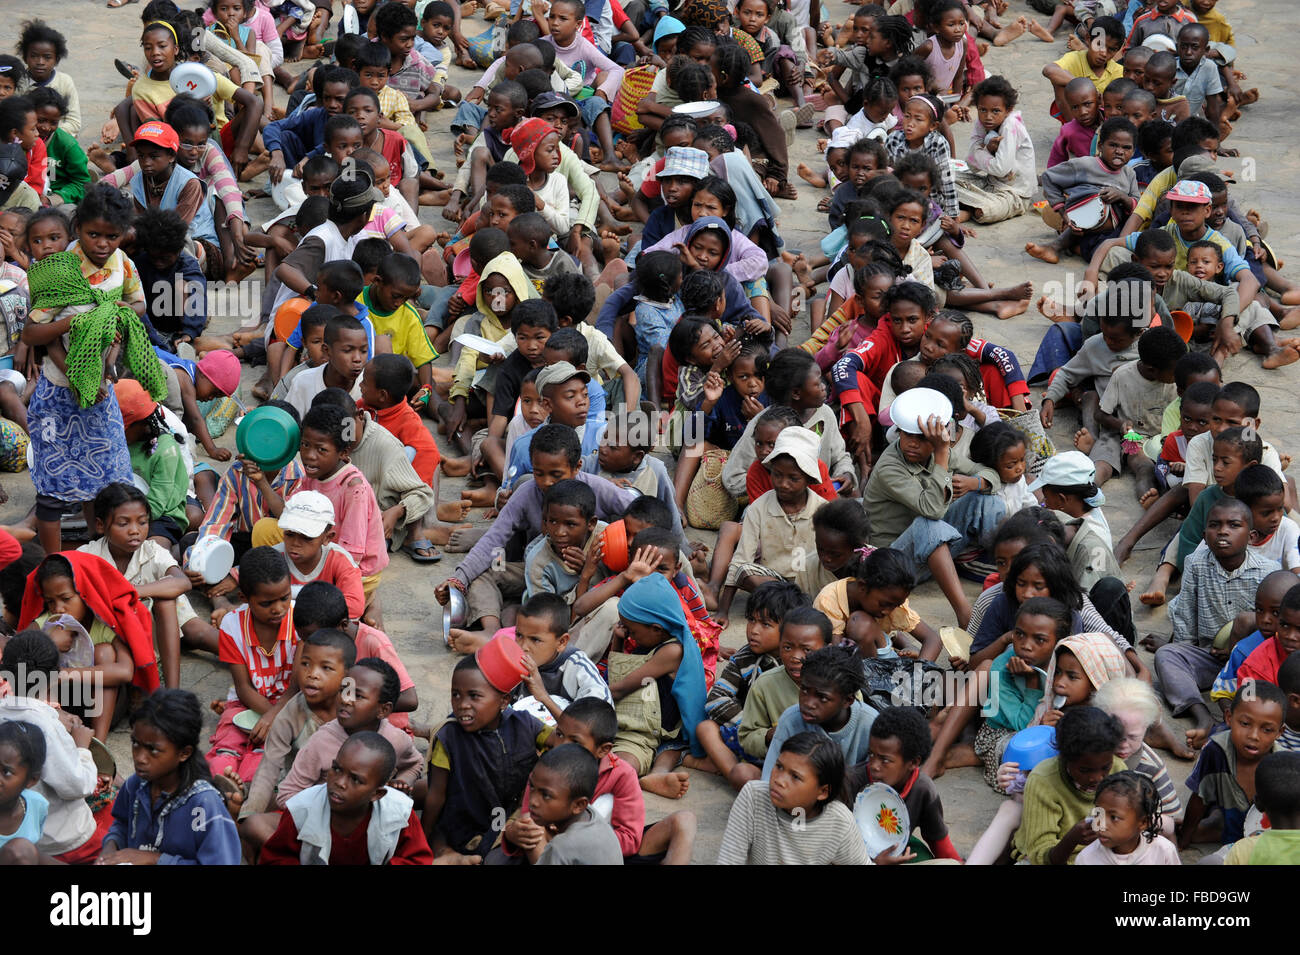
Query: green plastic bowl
[269,437]
[246,720]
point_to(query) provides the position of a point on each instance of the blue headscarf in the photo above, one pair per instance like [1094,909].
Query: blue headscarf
[714,224]
[653,601]
[666,27]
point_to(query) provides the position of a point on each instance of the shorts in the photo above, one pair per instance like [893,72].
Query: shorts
[166,527]
[591,108]
[730,733]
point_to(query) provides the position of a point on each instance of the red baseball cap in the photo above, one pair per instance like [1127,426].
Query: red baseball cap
[158,133]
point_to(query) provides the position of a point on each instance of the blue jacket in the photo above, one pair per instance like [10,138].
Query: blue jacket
[620,302]
[196,829]
[296,135]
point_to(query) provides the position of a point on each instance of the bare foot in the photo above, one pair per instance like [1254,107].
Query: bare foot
[983,47]
[1038,30]
[1197,737]
[1044,252]
[1163,736]
[668,785]
[933,768]
[701,764]
[709,595]
[455,467]
[1287,355]
[807,175]
[1155,597]
[1073,43]
[1290,320]
[1153,642]
[441,535]
[1052,309]
[461,540]
[481,497]
[466,641]
[1005,310]
[453,511]
[1011,32]
[1083,440]
[1146,500]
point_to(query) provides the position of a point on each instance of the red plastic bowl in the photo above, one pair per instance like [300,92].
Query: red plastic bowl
[502,661]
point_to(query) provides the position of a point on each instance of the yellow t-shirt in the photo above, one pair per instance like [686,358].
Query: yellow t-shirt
[1076,64]
[833,600]
[405,329]
[1219,27]
[441,759]
[152,96]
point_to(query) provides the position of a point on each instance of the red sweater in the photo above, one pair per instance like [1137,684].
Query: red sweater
[284,847]
[618,778]
[403,423]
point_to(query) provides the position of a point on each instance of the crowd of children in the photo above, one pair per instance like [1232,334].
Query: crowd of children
[596,323]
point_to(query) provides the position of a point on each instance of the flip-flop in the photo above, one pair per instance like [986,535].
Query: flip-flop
[126,69]
[805,115]
[114,4]
[412,546]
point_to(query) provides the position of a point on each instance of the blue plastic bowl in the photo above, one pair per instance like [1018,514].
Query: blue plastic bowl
[1030,747]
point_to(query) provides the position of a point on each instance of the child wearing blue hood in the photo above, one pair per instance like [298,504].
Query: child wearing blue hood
[656,677]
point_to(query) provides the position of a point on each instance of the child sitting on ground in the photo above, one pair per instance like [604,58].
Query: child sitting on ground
[1075,139]
[1060,791]
[341,823]
[1237,451]
[899,743]
[782,515]
[1267,619]
[782,820]
[1225,773]
[1128,825]
[554,560]
[1266,660]
[121,523]
[560,827]
[1134,401]
[1000,180]
[1218,585]
[374,692]
[656,648]
[831,680]
[480,760]
[725,704]
[624,457]
[870,609]
[1277,781]
[321,664]
[258,642]
[557,674]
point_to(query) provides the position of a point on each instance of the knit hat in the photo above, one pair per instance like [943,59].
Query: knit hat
[134,401]
[525,138]
[801,445]
[158,133]
[222,369]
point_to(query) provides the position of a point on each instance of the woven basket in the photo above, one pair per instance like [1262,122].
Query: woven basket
[636,84]
[1038,445]
[708,503]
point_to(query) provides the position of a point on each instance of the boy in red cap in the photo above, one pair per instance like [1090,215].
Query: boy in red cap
[214,375]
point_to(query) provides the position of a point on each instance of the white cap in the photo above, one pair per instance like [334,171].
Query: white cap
[307,513]
[802,445]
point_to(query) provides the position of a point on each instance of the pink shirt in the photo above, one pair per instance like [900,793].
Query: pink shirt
[1074,140]
[359,528]
[582,50]
[314,760]
[375,643]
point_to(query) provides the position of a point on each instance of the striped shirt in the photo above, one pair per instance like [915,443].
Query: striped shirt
[214,170]
[758,833]
[269,671]
[1147,763]
[238,504]
[726,701]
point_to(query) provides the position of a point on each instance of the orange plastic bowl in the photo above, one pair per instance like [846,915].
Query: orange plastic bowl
[1183,323]
[502,661]
[614,553]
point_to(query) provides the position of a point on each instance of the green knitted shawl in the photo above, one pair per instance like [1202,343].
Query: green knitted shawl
[56,282]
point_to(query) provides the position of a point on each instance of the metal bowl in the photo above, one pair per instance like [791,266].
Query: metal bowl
[453,615]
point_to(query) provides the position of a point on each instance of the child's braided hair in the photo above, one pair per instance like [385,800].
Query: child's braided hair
[1141,794]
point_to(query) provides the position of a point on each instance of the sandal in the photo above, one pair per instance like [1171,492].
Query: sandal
[805,115]
[789,122]
[412,548]
[114,4]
